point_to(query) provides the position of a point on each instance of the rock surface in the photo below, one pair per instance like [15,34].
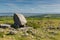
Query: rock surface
[5,26]
[19,20]
[12,32]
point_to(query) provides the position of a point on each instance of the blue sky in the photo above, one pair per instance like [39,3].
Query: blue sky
[30,6]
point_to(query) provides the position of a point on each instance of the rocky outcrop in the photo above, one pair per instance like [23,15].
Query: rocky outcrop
[5,26]
[19,20]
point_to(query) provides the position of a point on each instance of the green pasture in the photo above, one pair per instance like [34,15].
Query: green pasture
[40,24]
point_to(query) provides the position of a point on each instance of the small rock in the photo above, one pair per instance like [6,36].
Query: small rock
[4,35]
[1,30]
[58,27]
[51,27]
[13,29]
[12,32]
[54,33]
[25,34]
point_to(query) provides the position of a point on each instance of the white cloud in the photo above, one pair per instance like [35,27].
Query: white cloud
[35,7]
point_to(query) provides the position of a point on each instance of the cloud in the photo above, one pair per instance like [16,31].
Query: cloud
[10,7]
[45,8]
[30,6]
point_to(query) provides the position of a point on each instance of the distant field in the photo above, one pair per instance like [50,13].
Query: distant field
[41,25]
[5,19]
[34,21]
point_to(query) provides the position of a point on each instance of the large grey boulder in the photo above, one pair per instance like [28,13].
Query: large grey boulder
[19,20]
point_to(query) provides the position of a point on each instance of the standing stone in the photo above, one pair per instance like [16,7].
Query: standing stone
[19,20]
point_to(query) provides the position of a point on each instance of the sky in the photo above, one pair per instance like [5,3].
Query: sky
[30,6]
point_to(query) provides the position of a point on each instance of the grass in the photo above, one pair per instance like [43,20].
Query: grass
[39,24]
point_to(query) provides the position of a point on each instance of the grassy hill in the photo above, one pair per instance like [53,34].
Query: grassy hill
[43,27]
